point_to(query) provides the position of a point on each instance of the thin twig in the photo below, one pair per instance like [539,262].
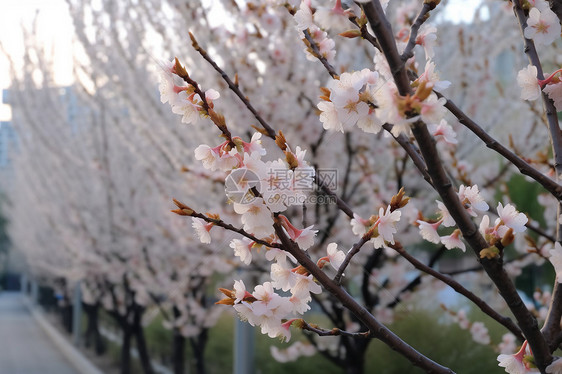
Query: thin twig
[422,17]
[352,252]
[319,56]
[484,307]
[333,332]
[550,185]
[233,87]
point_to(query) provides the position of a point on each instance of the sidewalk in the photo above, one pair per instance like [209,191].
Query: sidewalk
[24,347]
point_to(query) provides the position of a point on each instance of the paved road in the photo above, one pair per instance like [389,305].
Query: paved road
[24,347]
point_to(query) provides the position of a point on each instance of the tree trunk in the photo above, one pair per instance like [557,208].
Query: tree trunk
[178,353]
[126,350]
[93,336]
[355,368]
[355,355]
[198,345]
[141,342]
[66,314]
[178,347]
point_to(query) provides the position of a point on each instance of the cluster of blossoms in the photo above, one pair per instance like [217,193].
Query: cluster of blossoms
[369,98]
[523,362]
[365,99]
[259,189]
[293,352]
[380,229]
[305,19]
[509,221]
[472,201]
[267,308]
[531,86]
[477,330]
[182,99]
[543,27]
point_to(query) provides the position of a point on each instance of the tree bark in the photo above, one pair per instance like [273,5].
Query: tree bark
[126,350]
[178,353]
[141,341]
[178,348]
[93,336]
[198,345]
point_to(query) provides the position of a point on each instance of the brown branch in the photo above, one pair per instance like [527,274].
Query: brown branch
[411,150]
[365,33]
[441,183]
[319,56]
[233,87]
[184,210]
[493,267]
[375,14]
[352,252]
[422,17]
[484,307]
[377,329]
[217,119]
[551,328]
[333,332]
[551,186]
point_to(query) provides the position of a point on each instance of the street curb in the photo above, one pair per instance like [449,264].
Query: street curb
[73,355]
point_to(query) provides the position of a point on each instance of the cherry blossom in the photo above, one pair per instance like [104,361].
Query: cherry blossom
[304,238]
[556,260]
[555,367]
[514,364]
[242,249]
[293,352]
[471,199]
[444,130]
[479,333]
[303,16]
[168,89]
[428,231]
[554,92]
[386,226]
[527,80]
[453,241]
[511,218]
[335,257]
[430,76]
[427,38]
[186,106]
[448,221]
[202,229]
[542,26]
[282,276]
[256,217]
[335,18]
